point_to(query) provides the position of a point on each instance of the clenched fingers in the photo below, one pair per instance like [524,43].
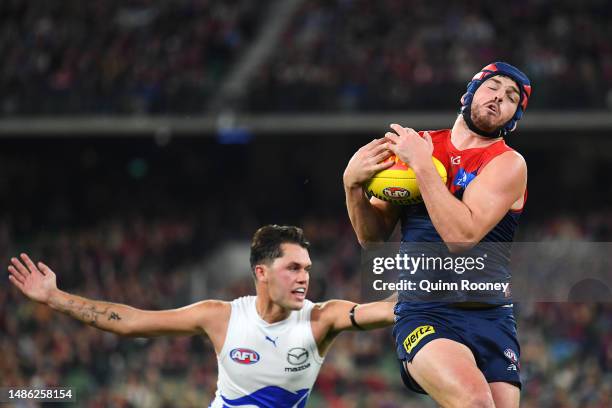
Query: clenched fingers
[400,130]
[395,149]
[384,145]
[393,138]
[374,144]
[383,165]
[385,154]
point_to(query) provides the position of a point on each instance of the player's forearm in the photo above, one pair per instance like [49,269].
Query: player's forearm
[451,218]
[366,219]
[375,315]
[107,316]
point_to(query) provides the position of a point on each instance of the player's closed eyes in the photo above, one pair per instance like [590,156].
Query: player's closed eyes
[510,97]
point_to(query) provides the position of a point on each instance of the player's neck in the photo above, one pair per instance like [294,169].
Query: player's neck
[463,138]
[269,311]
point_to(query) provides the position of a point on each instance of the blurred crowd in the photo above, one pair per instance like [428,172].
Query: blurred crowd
[139,263]
[152,56]
[111,56]
[377,55]
[566,348]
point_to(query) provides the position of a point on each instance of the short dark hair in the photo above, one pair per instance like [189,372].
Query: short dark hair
[267,241]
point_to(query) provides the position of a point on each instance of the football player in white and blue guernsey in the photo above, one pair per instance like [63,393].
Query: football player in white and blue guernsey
[269,347]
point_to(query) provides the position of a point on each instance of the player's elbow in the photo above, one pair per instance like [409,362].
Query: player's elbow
[461,241]
[370,242]
[459,247]
[373,237]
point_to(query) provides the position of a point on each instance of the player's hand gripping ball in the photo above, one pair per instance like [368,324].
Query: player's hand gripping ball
[398,184]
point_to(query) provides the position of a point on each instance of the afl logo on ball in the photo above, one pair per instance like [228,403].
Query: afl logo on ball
[396,192]
[244,356]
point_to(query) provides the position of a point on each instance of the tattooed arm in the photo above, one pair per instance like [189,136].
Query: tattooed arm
[103,315]
[38,282]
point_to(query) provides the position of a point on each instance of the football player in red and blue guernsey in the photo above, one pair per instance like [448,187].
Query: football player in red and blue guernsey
[463,354]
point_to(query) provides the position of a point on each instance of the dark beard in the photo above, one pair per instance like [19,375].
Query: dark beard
[482,120]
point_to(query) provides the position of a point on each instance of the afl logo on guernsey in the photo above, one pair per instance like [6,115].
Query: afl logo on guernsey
[244,356]
[511,355]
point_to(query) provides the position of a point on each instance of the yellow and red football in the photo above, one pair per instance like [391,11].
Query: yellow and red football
[398,183]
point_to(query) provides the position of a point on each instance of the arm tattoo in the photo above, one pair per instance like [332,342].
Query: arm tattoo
[85,312]
[114,316]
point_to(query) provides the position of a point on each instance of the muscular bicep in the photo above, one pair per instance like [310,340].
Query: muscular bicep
[198,318]
[389,214]
[490,195]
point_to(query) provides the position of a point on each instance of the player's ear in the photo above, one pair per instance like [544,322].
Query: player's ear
[261,273]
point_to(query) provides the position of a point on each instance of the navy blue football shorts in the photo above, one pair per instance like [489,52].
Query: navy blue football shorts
[489,333]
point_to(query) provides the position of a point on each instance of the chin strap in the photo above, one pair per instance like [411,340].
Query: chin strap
[467,116]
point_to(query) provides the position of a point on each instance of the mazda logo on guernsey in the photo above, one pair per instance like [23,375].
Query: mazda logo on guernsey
[297,356]
[244,356]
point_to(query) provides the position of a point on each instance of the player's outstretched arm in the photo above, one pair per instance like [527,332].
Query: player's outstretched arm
[373,220]
[38,282]
[334,316]
[366,316]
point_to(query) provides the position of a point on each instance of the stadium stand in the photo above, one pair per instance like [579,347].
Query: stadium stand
[377,55]
[351,55]
[115,57]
